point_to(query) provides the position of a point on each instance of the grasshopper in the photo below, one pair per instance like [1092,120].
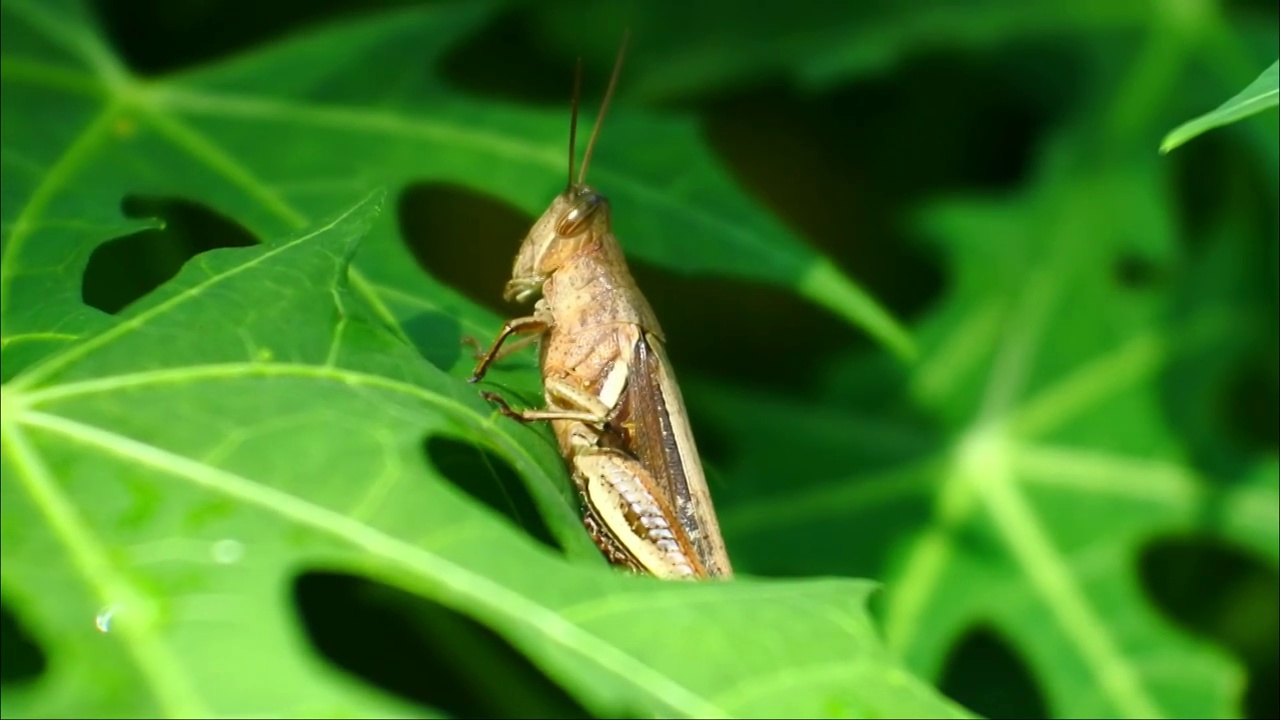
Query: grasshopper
[611,398]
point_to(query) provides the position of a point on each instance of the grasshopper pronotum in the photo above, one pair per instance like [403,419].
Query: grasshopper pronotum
[611,398]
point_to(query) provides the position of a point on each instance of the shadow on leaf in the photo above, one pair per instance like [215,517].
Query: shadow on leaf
[437,336]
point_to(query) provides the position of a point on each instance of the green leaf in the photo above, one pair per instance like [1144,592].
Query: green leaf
[1014,477]
[164,478]
[173,556]
[169,471]
[278,136]
[720,44]
[1262,93]
[175,472]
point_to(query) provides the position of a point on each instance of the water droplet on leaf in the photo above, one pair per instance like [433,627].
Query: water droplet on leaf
[227,551]
[104,618]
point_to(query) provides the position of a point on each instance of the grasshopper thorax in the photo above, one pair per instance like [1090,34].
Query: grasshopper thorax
[576,220]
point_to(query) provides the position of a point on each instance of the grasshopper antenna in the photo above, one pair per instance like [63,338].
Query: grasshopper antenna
[573,120]
[604,106]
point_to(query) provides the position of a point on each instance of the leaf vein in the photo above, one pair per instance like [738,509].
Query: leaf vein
[455,582]
[149,652]
[77,352]
[59,174]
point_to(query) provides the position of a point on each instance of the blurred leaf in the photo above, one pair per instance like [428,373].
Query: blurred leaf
[720,44]
[1260,94]
[1012,478]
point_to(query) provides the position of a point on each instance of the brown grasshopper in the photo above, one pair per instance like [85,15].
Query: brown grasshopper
[611,398]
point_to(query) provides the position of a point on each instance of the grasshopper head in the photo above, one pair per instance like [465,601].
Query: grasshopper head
[575,219]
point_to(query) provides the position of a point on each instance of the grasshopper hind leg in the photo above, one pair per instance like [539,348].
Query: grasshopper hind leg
[612,551]
[627,518]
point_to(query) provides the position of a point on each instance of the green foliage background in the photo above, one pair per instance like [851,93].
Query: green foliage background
[986,387]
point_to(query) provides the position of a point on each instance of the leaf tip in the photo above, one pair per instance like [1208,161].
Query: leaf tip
[825,284]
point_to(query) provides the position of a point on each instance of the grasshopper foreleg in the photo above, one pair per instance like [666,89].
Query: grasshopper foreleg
[533,325]
[479,351]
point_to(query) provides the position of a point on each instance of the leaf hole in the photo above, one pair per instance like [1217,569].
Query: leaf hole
[123,270]
[985,673]
[466,239]
[1231,597]
[24,659]
[1134,272]
[491,480]
[423,651]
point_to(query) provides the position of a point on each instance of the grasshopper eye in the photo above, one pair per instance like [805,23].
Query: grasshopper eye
[575,221]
